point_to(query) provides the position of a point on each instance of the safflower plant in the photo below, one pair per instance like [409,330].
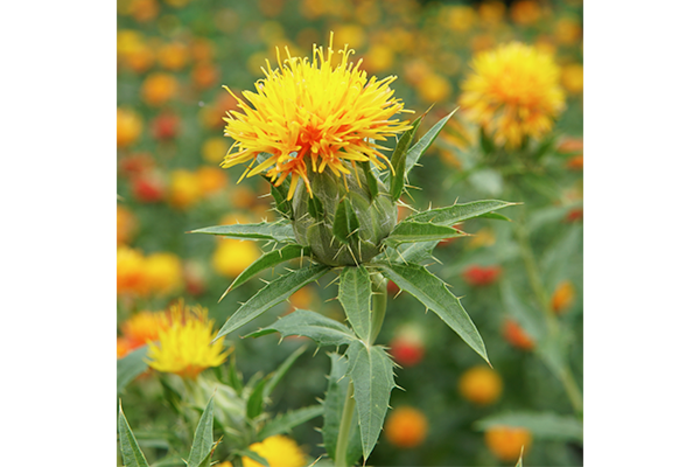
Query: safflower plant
[321,123]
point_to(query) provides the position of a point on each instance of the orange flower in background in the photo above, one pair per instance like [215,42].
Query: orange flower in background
[570,144]
[278,451]
[337,116]
[140,329]
[211,180]
[129,126]
[567,31]
[481,385]
[126,225]
[158,88]
[572,78]
[130,271]
[525,12]
[163,273]
[165,126]
[575,163]
[514,92]
[563,297]
[406,427]
[205,75]
[480,276]
[506,442]
[144,11]
[173,56]
[516,336]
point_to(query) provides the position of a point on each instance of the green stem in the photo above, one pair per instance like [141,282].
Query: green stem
[564,374]
[341,450]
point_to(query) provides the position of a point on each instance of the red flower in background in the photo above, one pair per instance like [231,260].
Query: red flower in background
[479,276]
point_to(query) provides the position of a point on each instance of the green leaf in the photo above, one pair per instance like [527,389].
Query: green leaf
[495,215]
[324,331]
[459,212]
[415,232]
[530,318]
[284,423]
[432,292]
[371,371]
[487,144]
[255,401]
[333,411]
[542,425]
[273,293]
[371,180]
[411,252]
[398,160]
[281,231]
[131,452]
[130,366]
[355,295]
[316,208]
[253,455]
[345,224]
[282,370]
[267,261]
[170,395]
[234,379]
[424,143]
[203,437]
[520,459]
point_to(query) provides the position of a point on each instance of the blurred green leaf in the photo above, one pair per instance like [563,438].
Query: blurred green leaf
[398,160]
[234,379]
[256,399]
[459,212]
[203,437]
[495,215]
[542,425]
[171,396]
[284,423]
[418,232]
[432,292]
[531,319]
[131,452]
[561,255]
[282,370]
[355,295]
[280,231]
[371,371]
[273,293]
[324,331]
[130,366]
[488,182]
[487,144]
[417,150]
[333,410]
[267,261]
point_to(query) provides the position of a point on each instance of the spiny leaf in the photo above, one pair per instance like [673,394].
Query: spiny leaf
[267,261]
[542,425]
[355,295]
[203,437]
[333,410]
[371,371]
[130,366]
[414,232]
[281,231]
[131,452]
[282,370]
[459,212]
[424,143]
[284,423]
[324,331]
[432,292]
[273,293]
[411,252]
[398,160]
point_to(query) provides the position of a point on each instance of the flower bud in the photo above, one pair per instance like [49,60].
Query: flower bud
[342,223]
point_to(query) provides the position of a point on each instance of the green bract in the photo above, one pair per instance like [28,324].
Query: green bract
[343,225]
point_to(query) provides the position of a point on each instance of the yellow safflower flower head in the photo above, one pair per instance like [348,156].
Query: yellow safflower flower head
[312,113]
[185,347]
[514,92]
[279,451]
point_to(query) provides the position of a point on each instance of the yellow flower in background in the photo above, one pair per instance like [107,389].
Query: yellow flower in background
[185,347]
[312,113]
[278,451]
[143,327]
[130,275]
[480,385]
[213,148]
[163,272]
[127,225]
[185,189]
[434,88]
[505,442]
[513,93]
[129,126]
[211,179]
[572,78]
[173,56]
[231,257]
